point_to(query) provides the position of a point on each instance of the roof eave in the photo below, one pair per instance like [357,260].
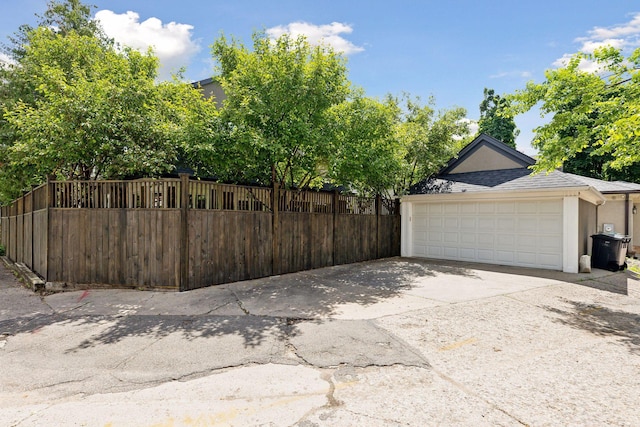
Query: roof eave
[586,193]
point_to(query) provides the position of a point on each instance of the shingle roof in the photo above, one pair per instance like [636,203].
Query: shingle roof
[496,145]
[607,186]
[517,179]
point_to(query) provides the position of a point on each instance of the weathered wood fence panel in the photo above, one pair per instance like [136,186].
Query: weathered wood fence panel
[227,246]
[389,236]
[40,238]
[114,247]
[186,234]
[355,238]
[305,241]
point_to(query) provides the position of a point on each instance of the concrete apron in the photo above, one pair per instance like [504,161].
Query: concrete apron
[396,341]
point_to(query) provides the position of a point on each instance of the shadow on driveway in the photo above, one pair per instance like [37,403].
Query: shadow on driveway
[272,306]
[603,322]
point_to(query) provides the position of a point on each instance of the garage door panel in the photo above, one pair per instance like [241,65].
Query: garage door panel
[527,224]
[434,237]
[550,225]
[468,208]
[435,221]
[528,258]
[451,223]
[506,241]
[468,223]
[550,206]
[450,237]
[451,208]
[485,239]
[525,233]
[506,224]
[468,239]
[505,257]
[547,260]
[468,254]
[485,255]
[435,209]
[450,253]
[527,208]
[506,207]
[486,208]
[434,251]
[486,224]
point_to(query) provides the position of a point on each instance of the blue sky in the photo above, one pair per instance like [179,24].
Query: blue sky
[449,49]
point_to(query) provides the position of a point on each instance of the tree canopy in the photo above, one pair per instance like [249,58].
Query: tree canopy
[595,115]
[429,139]
[496,118]
[94,111]
[75,105]
[278,98]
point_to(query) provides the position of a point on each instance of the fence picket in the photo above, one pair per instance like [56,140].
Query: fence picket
[185,233]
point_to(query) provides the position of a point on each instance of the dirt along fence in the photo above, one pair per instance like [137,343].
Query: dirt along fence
[185,234]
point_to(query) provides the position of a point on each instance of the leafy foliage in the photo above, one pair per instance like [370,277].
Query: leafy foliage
[496,119]
[367,156]
[276,111]
[429,139]
[95,111]
[60,17]
[596,116]
[77,106]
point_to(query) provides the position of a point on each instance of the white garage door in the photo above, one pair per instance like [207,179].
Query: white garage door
[521,233]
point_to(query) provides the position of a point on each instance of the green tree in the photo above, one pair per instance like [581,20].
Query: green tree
[96,113]
[367,154]
[496,119]
[595,116]
[60,17]
[429,139]
[276,111]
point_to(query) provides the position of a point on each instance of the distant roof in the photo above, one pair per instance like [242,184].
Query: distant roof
[203,82]
[607,186]
[518,178]
[484,140]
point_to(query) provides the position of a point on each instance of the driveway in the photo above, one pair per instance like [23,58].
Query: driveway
[383,343]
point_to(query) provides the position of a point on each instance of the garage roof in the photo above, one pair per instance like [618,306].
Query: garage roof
[484,160]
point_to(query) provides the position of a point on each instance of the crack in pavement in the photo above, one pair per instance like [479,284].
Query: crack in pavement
[470,392]
[219,307]
[332,402]
[240,304]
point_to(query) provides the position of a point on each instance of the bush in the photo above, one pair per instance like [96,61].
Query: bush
[2,251]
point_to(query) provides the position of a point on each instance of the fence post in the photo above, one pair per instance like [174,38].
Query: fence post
[22,240]
[184,232]
[336,200]
[32,230]
[378,213]
[275,227]
[47,228]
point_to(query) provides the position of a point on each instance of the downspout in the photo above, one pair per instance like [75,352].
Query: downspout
[626,214]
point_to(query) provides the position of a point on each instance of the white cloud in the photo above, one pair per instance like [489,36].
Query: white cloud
[319,34]
[509,74]
[629,29]
[472,125]
[5,60]
[585,64]
[171,42]
[622,36]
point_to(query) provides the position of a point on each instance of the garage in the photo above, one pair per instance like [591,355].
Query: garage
[486,206]
[520,233]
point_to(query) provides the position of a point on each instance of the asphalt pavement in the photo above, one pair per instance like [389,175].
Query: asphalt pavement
[394,342]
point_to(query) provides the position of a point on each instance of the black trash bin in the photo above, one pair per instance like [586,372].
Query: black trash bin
[609,251]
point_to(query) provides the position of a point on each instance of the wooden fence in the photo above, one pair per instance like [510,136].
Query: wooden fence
[185,234]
